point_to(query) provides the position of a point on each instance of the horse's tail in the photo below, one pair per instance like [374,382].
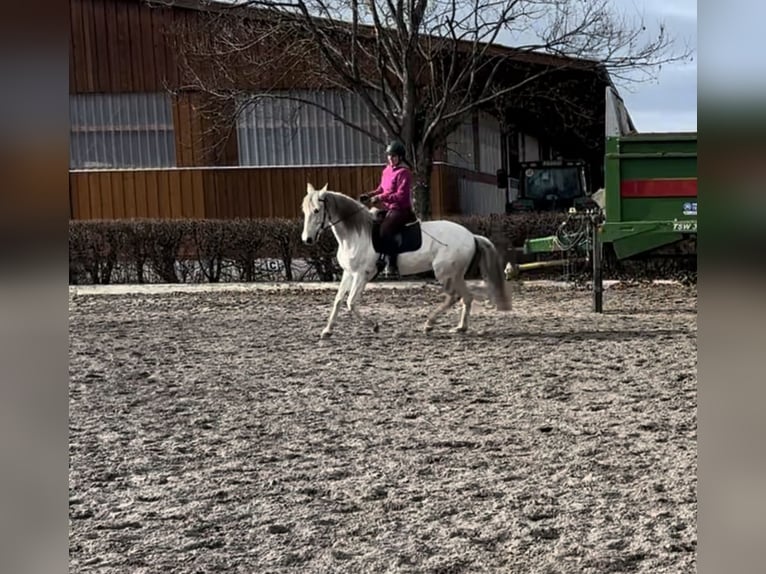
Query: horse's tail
[491,267]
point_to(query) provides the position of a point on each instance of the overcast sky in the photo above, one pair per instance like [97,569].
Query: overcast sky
[670,103]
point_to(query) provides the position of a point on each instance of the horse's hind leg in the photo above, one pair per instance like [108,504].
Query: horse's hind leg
[345,284]
[450,298]
[467,298]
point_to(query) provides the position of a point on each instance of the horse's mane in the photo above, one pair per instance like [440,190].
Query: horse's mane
[348,211]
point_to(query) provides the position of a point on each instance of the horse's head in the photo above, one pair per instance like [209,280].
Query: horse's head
[315,216]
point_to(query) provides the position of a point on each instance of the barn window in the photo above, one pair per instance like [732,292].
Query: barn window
[284,132]
[112,131]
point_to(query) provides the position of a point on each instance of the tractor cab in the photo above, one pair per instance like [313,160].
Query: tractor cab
[554,185]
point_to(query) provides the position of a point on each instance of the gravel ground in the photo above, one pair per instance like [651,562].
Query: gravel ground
[214,431]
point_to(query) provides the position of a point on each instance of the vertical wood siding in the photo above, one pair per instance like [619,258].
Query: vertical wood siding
[120,46]
[226,193]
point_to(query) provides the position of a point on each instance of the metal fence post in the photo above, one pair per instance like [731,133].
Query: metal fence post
[598,283]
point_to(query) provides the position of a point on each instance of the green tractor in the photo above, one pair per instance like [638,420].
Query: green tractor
[552,185]
[648,205]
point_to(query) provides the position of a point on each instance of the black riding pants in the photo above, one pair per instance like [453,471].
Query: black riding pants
[393,223]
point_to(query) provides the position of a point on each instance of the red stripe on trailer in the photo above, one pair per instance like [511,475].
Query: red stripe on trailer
[659,188]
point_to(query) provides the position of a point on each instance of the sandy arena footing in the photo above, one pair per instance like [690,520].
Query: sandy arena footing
[212,430]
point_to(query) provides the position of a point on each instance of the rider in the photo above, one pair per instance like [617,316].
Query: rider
[395,195]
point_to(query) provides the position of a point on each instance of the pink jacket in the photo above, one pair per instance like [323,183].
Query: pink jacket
[395,189]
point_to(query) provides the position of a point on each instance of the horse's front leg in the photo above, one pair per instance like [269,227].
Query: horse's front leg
[345,284]
[357,286]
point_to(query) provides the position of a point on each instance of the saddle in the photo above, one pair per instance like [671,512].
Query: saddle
[409,238]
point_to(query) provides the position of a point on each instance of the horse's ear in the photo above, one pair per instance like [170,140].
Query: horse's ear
[309,188]
[325,187]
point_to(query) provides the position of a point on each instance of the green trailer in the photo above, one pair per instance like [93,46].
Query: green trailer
[649,199]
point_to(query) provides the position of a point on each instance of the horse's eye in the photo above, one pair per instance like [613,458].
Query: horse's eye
[316,210]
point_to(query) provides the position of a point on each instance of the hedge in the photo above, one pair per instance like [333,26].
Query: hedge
[247,250]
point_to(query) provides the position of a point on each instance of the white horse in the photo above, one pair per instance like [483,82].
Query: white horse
[447,248]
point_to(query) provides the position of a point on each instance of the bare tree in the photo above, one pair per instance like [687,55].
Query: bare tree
[419,66]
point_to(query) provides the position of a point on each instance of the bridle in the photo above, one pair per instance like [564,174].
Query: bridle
[322,226]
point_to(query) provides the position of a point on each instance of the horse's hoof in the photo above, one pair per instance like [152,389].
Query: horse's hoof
[458,330]
[325,335]
[428,328]
[375,328]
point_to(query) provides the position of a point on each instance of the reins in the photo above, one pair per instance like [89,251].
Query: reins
[324,225]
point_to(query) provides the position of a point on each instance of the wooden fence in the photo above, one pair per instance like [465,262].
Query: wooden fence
[227,192]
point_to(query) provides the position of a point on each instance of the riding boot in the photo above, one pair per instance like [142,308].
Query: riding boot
[391,271]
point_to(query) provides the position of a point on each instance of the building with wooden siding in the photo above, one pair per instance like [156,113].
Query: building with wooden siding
[139,148]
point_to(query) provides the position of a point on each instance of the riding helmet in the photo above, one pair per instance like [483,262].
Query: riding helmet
[396,148]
